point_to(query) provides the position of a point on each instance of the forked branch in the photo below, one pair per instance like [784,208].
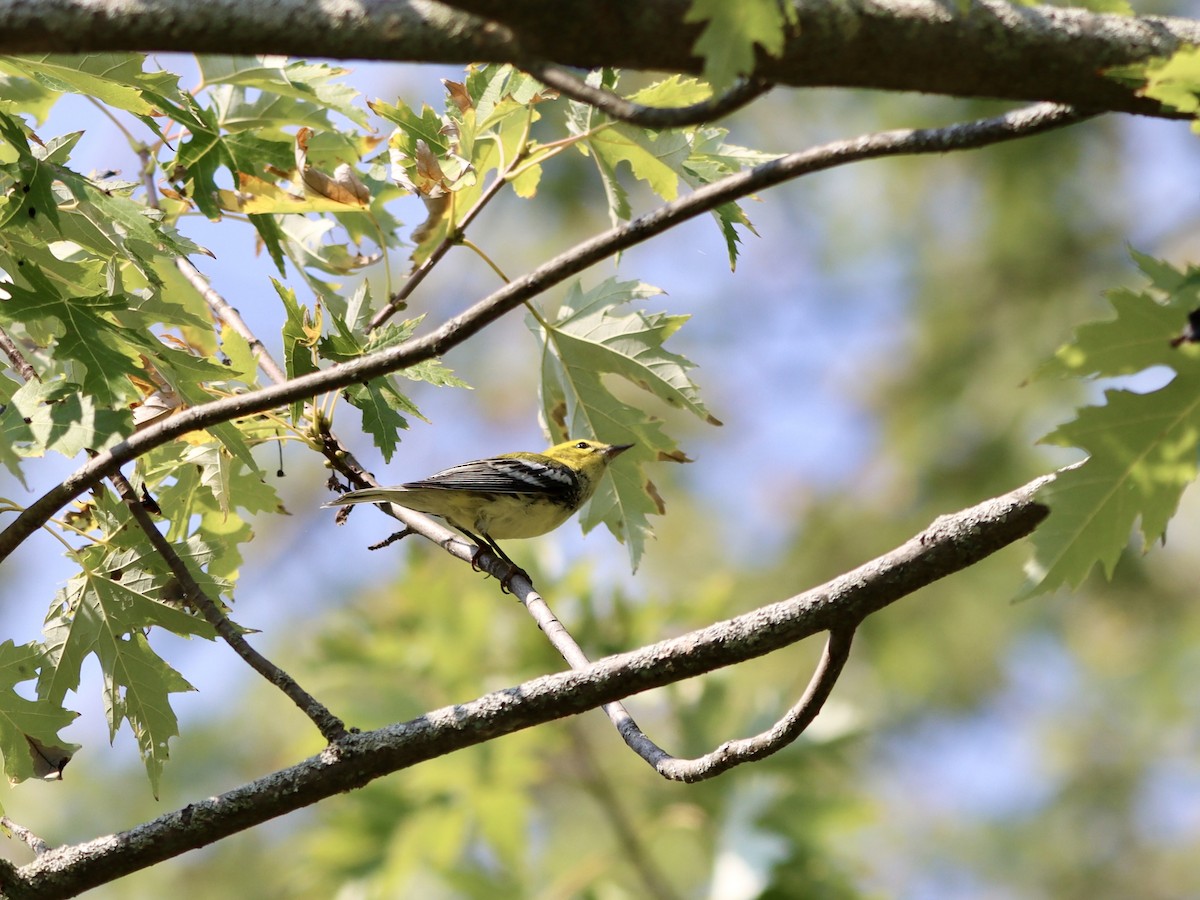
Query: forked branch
[948,545]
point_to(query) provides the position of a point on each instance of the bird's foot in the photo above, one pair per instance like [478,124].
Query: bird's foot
[513,572]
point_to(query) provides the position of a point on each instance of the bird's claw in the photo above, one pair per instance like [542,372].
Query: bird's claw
[513,572]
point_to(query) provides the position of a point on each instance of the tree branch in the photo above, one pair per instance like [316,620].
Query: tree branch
[781,734]
[729,754]
[984,48]
[231,317]
[16,358]
[741,94]
[331,727]
[949,544]
[35,843]
[455,235]
[1021,123]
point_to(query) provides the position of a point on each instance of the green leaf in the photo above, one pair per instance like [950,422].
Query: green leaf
[379,417]
[590,338]
[22,719]
[144,572]
[93,228]
[382,404]
[104,220]
[696,155]
[23,95]
[115,79]
[137,689]
[1173,81]
[589,332]
[1142,455]
[201,155]
[104,612]
[733,30]
[654,159]
[711,159]
[1138,338]
[300,335]
[203,519]
[1142,447]
[86,333]
[673,91]
[32,187]
[229,434]
[56,416]
[242,362]
[216,470]
[411,127]
[312,88]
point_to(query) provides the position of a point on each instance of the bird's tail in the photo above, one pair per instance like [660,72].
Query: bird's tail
[366,495]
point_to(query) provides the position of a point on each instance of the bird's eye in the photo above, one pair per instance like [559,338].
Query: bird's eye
[582,445]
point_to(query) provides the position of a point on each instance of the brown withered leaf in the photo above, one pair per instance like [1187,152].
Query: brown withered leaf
[659,503]
[677,456]
[558,420]
[429,170]
[345,185]
[458,93]
[159,399]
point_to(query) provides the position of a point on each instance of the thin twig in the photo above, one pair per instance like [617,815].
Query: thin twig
[454,236]
[231,317]
[19,363]
[35,843]
[1024,122]
[331,727]
[743,92]
[218,304]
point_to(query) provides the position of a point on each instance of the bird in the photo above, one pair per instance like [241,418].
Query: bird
[505,497]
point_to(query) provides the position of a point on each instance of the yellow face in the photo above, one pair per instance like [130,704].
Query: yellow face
[586,457]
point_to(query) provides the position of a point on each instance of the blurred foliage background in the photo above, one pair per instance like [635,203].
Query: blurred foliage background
[869,360]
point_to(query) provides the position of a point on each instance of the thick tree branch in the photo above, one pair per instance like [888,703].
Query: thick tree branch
[949,544]
[1021,123]
[987,49]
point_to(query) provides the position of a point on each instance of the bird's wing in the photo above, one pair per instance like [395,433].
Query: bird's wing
[505,475]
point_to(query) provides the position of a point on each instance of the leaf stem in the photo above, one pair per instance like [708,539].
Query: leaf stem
[471,245]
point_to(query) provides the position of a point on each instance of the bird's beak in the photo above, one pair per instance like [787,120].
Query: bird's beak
[614,450]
